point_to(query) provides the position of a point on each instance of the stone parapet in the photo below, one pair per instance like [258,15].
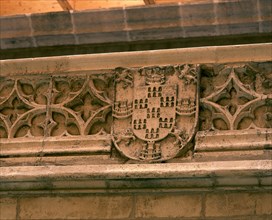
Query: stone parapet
[54,110]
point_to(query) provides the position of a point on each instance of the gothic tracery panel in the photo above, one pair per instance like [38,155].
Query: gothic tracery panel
[46,106]
[236,96]
[151,113]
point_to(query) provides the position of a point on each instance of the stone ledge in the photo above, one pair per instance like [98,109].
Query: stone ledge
[237,140]
[54,146]
[83,63]
[208,175]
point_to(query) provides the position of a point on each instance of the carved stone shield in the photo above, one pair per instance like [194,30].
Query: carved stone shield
[155,111]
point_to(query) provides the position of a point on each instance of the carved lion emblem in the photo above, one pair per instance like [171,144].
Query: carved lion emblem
[155,115]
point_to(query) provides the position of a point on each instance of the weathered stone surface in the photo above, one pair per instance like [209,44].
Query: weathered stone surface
[168,206]
[68,101]
[81,63]
[265,9]
[183,175]
[229,204]
[230,91]
[99,26]
[234,29]
[217,142]
[8,208]
[153,22]
[154,111]
[57,108]
[198,20]
[15,26]
[80,207]
[98,21]
[152,17]
[51,23]
[266,26]
[44,40]
[126,25]
[236,11]
[264,204]
[19,42]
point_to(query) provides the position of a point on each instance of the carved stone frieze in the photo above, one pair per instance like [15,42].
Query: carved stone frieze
[54,106]
[155,111]
[151,113]
[236,96]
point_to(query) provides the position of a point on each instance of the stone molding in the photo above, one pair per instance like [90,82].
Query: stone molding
[219,175]
[105,61]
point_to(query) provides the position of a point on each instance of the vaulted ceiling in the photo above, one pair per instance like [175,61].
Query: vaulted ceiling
[12,7]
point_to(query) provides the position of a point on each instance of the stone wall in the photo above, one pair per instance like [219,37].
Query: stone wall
[143,205]
[218,168]
[159,134]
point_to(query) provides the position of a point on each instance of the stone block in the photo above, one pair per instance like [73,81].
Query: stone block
[198,31]
[236,11]
[93,38]
[266,26]
[168,206]
[81,207]
[266,181]
[265,9]
[54,40]
[51,23]
[99,21]
[156,33]
[237,181]
[197,14]
[238,28]
[8,208]
[20,42]
[161,183]
[153,17]
[264,204]
[15,26]
[229,204]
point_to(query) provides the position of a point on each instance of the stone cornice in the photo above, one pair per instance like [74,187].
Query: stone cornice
[82,63]
[220,175]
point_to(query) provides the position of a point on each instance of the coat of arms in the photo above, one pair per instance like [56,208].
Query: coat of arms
[155,111]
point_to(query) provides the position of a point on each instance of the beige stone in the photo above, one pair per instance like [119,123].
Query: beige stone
[155,111]
[8,208]
[229,204]
[80,63]
[168,206]
[264,204]
[80,207]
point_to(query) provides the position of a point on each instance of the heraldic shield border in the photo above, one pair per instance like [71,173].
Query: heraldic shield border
[155,111]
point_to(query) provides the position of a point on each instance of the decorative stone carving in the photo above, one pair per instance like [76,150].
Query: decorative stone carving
[151,113]
[54,106]
[236,96]
[155,112]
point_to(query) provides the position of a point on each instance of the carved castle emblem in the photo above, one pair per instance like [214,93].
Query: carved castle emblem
[155,111]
